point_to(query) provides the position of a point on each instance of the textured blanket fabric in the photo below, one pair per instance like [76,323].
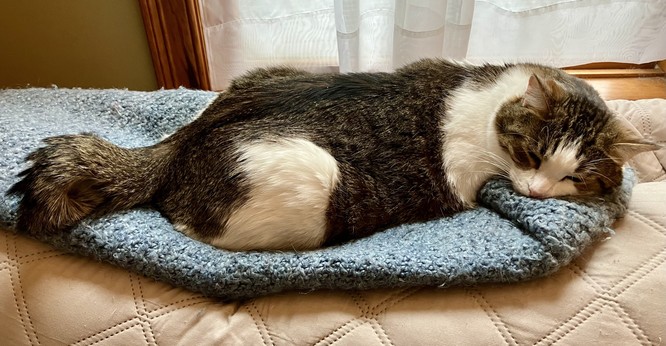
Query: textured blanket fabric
[511,238]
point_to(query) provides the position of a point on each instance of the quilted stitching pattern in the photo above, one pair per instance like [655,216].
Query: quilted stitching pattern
[613,294]
[584,302]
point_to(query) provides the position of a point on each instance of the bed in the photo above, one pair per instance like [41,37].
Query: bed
[611,294]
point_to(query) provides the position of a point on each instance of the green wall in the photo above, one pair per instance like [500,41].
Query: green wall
[74,43]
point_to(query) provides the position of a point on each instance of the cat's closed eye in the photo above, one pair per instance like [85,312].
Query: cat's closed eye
[573,178]
[525,158]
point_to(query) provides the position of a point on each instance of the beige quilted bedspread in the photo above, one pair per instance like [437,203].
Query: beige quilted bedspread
[615,294]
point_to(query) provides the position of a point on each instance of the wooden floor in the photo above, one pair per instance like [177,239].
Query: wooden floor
[629,88]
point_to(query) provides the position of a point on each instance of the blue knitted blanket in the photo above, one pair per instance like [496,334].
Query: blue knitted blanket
[510,238]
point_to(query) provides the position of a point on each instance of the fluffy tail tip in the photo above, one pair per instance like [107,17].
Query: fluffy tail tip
[57,191]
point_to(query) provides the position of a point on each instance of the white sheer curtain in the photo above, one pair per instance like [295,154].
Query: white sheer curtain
[569,32]
[240,35]
[381,35]
[385,34]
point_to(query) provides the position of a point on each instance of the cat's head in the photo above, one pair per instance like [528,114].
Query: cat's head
[563,140]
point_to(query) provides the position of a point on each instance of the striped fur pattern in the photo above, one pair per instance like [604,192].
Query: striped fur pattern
[289,160]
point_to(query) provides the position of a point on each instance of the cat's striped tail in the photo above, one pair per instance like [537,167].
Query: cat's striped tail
[78,176]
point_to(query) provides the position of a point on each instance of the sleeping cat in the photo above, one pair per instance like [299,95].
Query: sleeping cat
[286,159]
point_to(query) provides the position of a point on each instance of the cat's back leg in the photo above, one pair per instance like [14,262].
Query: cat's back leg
[281,190]
[289,183]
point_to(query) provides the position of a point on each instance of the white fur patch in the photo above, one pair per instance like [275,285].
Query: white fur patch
[547,181]
[471,150]
[291,181]
[182,228]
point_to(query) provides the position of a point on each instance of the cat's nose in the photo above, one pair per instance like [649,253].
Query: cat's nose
[536,193]
[539,186]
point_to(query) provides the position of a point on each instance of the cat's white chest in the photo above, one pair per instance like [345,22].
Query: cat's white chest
[470,149]
[469,164]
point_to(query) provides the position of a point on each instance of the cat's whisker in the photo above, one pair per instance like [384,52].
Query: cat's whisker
[498,162]
[597,173]
[605,159]
[501,167]
[492,158]
[492,173]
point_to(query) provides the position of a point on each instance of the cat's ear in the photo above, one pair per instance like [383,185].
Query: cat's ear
[629,142]
[622,151]
[540,94]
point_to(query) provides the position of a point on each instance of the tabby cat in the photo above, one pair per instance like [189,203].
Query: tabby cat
[286,159]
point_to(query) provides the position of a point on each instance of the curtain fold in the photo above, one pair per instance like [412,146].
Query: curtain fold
[382,35]
[241,35]
[568,32]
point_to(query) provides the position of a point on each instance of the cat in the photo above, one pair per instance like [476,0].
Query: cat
[290,160]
